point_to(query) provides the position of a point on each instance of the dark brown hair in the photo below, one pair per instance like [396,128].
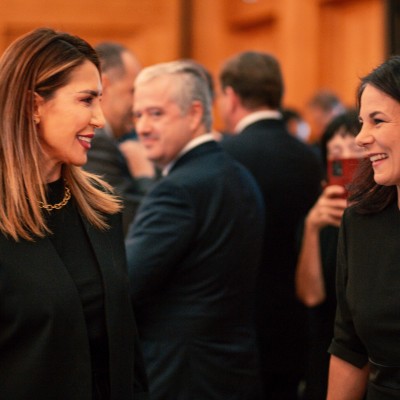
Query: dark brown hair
[366,195]
[256,78]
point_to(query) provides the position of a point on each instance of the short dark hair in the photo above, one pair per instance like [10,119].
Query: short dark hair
[347,122]
[110,55]
[367,195]
[289,114]
[256,78]
[325,100]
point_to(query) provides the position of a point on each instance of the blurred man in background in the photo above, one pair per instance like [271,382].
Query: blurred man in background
[128,171]
[289,175]
[194,248]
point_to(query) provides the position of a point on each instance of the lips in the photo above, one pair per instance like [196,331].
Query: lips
[85,141]
[377,157]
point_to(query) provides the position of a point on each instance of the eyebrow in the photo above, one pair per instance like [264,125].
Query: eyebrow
[94,93]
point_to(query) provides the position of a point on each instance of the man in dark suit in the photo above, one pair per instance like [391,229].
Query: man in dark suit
[106,156]
[289,175]
[194,248]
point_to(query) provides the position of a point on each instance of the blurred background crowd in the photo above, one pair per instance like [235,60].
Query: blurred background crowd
[311,53]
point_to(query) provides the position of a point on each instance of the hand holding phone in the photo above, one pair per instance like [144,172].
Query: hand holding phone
[341,171]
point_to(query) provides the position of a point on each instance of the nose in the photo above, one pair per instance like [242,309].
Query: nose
[98,119]
[364,137]
[142,125]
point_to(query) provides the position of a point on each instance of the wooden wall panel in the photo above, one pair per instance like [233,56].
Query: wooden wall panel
[219,33]
[151,28]
[320,43]
[244,14]
[298,50]
[352,42]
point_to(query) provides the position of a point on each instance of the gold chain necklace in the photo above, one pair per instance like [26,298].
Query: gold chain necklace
[61,204]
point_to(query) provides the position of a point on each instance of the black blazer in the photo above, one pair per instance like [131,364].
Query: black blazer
[193,253]
[289,175]
[44,349]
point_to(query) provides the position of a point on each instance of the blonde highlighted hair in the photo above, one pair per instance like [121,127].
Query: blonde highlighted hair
[40,62]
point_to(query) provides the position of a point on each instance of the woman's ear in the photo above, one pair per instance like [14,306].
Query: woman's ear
[38,102]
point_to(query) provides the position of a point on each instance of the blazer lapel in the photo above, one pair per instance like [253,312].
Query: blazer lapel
[118,312]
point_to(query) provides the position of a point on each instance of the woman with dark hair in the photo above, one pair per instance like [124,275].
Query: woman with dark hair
[67,330]
[365,351]
[316,266]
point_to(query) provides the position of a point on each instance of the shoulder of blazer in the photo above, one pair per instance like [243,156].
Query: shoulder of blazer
[203,150]
[263,126]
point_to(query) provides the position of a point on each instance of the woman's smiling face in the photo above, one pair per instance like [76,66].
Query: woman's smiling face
[66,121]
[380,134]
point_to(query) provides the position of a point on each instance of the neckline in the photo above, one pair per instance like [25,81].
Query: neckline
[55,191]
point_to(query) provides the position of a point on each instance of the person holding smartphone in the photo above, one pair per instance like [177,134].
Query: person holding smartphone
[315,273]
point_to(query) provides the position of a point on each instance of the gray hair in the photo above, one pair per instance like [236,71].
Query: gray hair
[192,85]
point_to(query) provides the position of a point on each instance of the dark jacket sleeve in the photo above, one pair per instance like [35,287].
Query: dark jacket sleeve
[160,235]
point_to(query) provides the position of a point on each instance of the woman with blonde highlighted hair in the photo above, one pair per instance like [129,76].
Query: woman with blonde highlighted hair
[67,327]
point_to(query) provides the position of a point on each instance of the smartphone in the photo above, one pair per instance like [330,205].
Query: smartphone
[341,171]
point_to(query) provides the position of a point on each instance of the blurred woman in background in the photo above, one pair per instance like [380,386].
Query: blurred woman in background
[316,268]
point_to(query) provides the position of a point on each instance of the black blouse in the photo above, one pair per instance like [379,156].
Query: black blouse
[73,246]
[367,325]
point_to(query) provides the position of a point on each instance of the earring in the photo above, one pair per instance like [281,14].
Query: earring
[36,120]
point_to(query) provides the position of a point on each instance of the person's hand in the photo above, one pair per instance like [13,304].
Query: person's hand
[329,208]
[139,166]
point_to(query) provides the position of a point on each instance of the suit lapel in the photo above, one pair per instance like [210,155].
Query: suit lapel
[116,305]
[100,245]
